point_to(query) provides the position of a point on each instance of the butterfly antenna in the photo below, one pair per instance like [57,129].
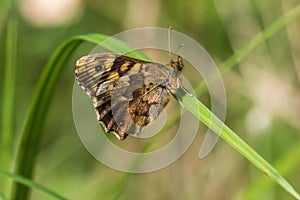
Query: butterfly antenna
[169,40]
[169,44]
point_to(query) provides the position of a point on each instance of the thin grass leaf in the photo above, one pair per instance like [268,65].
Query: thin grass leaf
[7,122]
[4,12]
[244,51]
[237,56]
[253,43]
[199,110]
[224,67]
[286,164]
[33,127]
[31,184]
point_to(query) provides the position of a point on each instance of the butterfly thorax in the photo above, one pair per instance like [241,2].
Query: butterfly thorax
[176,63]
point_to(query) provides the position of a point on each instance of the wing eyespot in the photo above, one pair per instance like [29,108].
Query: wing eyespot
[98,68]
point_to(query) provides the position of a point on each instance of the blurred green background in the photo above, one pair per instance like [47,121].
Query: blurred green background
[263,96]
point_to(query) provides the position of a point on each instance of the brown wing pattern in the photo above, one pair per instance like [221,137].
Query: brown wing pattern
[104,68]
[125,96]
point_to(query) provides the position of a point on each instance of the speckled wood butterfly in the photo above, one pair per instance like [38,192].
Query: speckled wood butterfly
[127,93]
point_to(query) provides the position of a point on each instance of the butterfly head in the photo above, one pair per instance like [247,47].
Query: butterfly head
[177,63]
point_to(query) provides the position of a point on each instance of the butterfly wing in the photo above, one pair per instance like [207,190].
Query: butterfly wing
[127,93]
[137,105]
[101,70]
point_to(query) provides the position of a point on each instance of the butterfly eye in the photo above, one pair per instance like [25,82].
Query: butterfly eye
[98,68]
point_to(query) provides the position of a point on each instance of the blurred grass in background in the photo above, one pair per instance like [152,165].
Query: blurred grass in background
[262,94]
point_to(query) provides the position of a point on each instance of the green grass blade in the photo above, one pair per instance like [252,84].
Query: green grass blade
[199,110]
[245,50]
[229,63]
[253,43]
[34,122]
[36,128]
[7,121]
[31,184]
[287,164]
[4,12]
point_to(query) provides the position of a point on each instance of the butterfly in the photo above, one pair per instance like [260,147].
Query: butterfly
[127,93]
